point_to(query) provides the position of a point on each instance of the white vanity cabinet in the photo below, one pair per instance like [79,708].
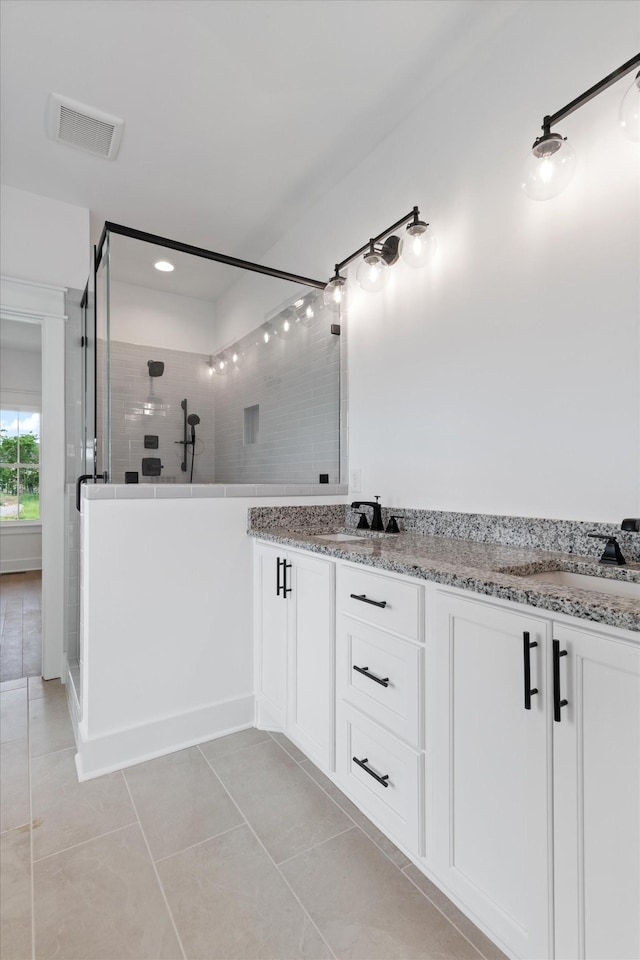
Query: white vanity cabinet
[491,817]
[497,745]
[536,818]
[295,628]
[379,694]
[596,777]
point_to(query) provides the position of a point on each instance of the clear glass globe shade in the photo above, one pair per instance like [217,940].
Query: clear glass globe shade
[548,169]
[335,294]
[629,115]
[373,273]
[221,365]
[418,248]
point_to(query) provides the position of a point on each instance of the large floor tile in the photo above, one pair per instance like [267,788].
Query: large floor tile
[223,746]
[66,812]
[294,752]
[45,688]
[15,895]
[17,684]
[101,901]
[13,715]
[366,908]
[288,812]
[14,784]
[229,901]
[50,725]
[487,948]
[180,801]
[378,837]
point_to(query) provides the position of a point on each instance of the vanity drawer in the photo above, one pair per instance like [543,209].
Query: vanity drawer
[386,602]
[381,676]
[397,807]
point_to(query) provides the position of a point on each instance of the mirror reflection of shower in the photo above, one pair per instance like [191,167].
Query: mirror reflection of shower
[190,420]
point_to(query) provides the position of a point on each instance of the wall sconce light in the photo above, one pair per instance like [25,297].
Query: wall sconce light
[211,366]
[551,163]
[335,292]
[416,248]
[629,115]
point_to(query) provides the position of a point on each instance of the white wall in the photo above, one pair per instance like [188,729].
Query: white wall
[145,316]
[171,661]
[504,377]
[43,240]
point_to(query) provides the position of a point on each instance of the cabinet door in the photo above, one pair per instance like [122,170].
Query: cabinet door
[492,776]
[597,798]
[311,698]
[270,630]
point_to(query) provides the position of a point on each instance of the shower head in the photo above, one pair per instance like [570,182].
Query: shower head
[156,368]
[193,419]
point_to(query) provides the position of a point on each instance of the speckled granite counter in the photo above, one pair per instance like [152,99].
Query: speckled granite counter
[492,569]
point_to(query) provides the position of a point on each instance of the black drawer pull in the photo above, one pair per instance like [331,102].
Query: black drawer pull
[365,599]
[364,671]
[528,692]
[558,704]
[363,764]
[278,584]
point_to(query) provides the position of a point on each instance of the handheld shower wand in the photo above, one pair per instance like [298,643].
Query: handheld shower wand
[192,420]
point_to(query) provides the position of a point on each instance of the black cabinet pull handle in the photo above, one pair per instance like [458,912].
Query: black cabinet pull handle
[526,647]
[384,682]
[363,764]
[365,599]
[558,703]
[285,589]
[278,584]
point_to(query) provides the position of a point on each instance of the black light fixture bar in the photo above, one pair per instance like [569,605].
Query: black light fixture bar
[394,226]
[201,252]
[552,119]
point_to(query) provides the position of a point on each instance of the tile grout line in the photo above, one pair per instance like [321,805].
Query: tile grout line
[157,875]
[81,843]
[354,822]
[449,921]
[320,843]
[199,843]
[259,841]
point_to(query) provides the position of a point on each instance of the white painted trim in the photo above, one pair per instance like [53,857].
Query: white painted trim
[13,313]
[124,748]
[20,526]
[21,566]
[32,283]
[39,303]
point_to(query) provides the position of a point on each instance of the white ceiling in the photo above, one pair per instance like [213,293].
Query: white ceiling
[239,114]
[19,335]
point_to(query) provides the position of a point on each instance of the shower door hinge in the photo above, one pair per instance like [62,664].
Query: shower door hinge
[83,341]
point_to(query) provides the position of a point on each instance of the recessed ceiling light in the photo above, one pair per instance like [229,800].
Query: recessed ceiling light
[164,266]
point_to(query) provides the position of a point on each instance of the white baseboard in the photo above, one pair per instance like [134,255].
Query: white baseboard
[124,748]
[21,566]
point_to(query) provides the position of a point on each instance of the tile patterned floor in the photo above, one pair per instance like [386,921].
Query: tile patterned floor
[20,625]
[239,848]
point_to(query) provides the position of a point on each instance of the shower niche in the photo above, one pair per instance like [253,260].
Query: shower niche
[186,358]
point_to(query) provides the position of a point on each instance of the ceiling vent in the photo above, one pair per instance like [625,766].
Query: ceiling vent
[84,127]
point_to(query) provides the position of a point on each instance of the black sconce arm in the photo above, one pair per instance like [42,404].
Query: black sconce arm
[550,120]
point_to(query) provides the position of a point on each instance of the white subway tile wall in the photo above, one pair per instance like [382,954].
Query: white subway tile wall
[294,379]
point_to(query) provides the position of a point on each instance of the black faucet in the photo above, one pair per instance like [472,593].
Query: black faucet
[612,554]
[376,522]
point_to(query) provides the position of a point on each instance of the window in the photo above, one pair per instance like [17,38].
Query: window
[19,465]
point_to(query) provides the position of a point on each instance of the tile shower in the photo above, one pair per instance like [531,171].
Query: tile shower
[268,403]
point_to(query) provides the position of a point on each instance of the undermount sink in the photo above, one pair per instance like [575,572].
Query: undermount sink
[336,536]
[626,589]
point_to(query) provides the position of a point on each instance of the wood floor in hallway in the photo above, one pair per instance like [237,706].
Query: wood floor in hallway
[20,625]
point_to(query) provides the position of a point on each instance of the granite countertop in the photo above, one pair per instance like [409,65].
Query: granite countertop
[492,569]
